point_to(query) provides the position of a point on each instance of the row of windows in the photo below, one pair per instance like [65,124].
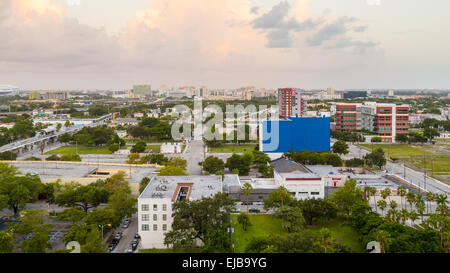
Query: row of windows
[146,227]
[146,217]
[146,207]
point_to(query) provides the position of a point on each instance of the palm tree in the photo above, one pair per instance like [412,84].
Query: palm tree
[420,206]
[404,215]
[382,204]
[413,216]
[383,238]
[410,197]
[386,193]
[442,207]
[373,192]
[247,189]
[401,190]
[393,204]
[325,233]
[430,198]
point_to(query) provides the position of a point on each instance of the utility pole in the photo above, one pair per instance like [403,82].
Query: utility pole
[424,172]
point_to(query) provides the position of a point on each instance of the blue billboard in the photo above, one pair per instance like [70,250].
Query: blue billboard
[296,133]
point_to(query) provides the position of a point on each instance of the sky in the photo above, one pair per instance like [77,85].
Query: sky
[114,44]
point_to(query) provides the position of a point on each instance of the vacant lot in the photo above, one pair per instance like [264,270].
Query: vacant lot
[264,225]
[397,149]
[232,148]
[82,150]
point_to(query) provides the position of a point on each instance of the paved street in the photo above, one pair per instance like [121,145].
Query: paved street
[127,236]
[414,177]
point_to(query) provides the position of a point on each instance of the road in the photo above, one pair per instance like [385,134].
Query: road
[127,236]
[414,177]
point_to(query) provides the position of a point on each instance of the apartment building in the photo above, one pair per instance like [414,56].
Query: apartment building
[386,120]
[155,212]
[291,103]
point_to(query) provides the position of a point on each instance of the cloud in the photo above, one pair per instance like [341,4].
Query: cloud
[254,10]
[279,25]
[329,31]
[360,28]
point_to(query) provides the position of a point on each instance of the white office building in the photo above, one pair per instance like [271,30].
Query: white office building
[155,214]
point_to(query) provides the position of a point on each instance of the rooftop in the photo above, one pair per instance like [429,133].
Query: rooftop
[166,186]
[283,165]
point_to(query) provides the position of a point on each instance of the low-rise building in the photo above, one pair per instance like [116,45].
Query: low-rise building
[155,214]
[171,148]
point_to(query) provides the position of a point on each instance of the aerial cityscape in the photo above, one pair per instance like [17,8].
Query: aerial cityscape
[243,127]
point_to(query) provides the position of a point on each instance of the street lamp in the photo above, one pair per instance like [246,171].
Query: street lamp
[101,226]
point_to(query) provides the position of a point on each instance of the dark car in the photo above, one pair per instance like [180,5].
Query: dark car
[112,246]
[137,236]
[254,211]
[247,203]
[134,244]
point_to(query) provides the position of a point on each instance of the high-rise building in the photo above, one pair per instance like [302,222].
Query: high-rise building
[386,120]
[291,103]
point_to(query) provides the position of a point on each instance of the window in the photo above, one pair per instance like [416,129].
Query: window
[144,217]
[164,207]
[164,217]
[155,217]
[155,207]
[164,227]
[144,207]
[155,227]
[315,193]
[145,228]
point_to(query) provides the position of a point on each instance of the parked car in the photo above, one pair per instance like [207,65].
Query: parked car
[112,246]
[129,251]
[126,223]
[247,203]
[134,244]
[254,210]
[137,236]
[118,236]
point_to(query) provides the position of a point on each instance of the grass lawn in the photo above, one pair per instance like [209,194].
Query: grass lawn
[264,225]
[82,150]
[397,149]
[232,148]
[439,163]
[343,233]
[155,148]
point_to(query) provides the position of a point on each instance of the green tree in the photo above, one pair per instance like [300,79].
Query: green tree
[410,198]
[384,238]
[38,243]
[402,138]
[340,147]
[106,217]
[292,218]
[316,209]
[6,242]
[143,184]
[278,198]
[402,191]
[244,221]
[172,171]
[132,158]
[83,196]
[247,189]
[325,234]
[237,162]
[177,162]
[382,204]
[204,219]
[345,197]
[139,147]
[73,214]
[113,147]
[430,133]
[376,158]
[212,164]
[16,191]
[122,202]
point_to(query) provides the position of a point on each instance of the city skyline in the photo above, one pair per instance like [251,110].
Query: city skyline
[58,44]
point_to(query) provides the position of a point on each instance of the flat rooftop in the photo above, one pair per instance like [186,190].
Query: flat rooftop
[284,165]
[58,169]
[165,186]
